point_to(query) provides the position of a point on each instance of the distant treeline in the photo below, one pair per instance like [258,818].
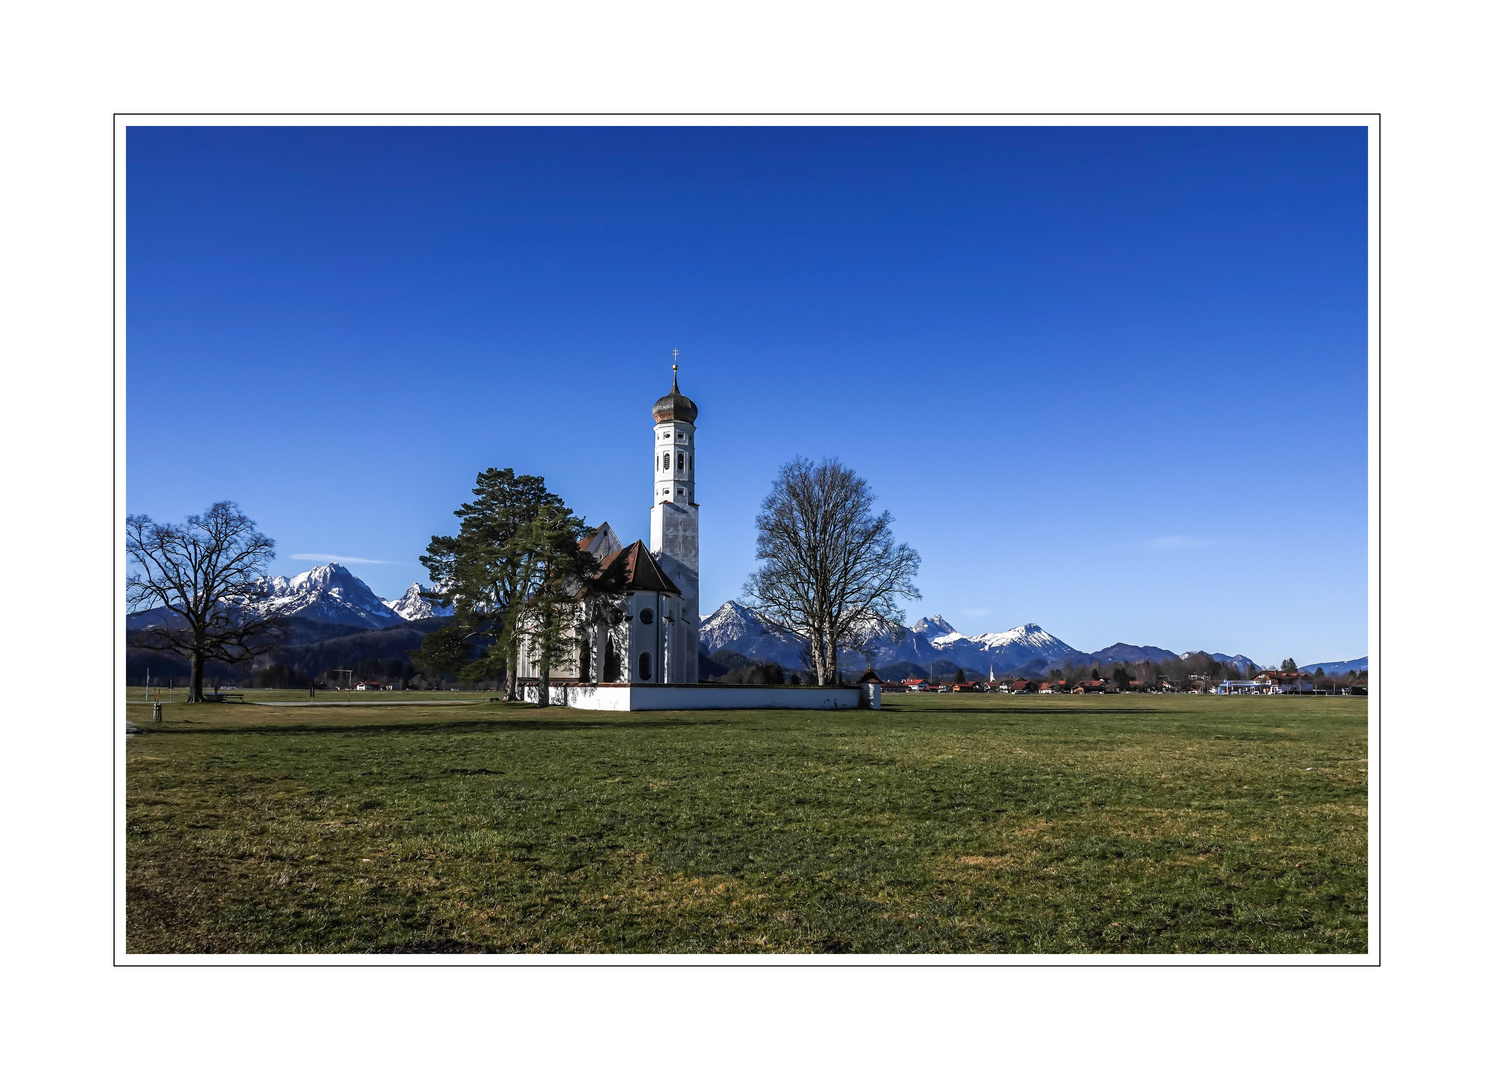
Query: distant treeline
[319,654]
[315,654]
[1145,675]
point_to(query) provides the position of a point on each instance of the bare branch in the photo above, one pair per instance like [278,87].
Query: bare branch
[830,571]
[202,577]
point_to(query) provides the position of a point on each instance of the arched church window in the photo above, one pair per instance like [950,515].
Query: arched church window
[645,667]
[646,616]
[682,461]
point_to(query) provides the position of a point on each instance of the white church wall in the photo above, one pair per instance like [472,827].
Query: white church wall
[646,698]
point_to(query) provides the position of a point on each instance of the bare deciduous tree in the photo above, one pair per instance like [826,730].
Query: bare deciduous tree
[204,574]
[831,572]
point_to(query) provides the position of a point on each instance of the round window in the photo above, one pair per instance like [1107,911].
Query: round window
[646,616]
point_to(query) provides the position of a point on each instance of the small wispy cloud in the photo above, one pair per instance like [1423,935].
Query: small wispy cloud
[320,558]
[1175,543]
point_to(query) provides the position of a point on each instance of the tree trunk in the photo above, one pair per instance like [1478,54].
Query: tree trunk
[816,658]
[511,675]
[194,691]
[544,687]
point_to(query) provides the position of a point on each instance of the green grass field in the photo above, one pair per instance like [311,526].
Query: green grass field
[988,824]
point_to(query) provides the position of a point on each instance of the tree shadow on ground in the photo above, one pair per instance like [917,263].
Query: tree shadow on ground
[1010,710]
[433,727]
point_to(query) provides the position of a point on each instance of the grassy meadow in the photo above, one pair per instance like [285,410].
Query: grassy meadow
[942,824]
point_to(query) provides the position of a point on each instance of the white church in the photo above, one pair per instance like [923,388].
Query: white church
[655,637]
[645,653]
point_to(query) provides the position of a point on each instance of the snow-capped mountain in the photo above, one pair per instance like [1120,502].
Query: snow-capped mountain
[332,594]
[930,640]
[934,638]
[734,627]
[413,607]
[1028,638]
[935,627]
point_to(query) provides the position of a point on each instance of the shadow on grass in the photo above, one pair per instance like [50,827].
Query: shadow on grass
[431,727]
[1011,710]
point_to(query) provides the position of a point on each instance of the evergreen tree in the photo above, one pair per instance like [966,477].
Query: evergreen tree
[480,573]
[552,570]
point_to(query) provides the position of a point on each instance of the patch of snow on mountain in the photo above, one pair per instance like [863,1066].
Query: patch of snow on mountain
[1030,637]
[330,593]
[934,627]
[413,607]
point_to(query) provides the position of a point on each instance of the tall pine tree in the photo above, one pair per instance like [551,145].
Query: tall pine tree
[552,570]
[484,572]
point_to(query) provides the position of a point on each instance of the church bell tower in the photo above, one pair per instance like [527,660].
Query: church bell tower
[674,521]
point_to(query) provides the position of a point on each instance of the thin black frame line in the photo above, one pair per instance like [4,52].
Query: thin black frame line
[114,513]
[1380,533]
[909,114]
[761,967]
[1379,522]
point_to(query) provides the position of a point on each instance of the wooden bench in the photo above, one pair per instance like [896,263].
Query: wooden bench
[221,698]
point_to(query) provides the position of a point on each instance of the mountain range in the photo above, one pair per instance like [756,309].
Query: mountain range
[331,601]
[330,594]
[928,642]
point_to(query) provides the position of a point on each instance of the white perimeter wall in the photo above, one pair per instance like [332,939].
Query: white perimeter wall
[645,698]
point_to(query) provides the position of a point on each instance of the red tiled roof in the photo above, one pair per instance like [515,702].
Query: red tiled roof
[634,568]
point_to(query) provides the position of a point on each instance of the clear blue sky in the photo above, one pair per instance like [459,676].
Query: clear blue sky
[1109,380]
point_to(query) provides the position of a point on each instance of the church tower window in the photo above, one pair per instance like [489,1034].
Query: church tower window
[646,616]
[645,667]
